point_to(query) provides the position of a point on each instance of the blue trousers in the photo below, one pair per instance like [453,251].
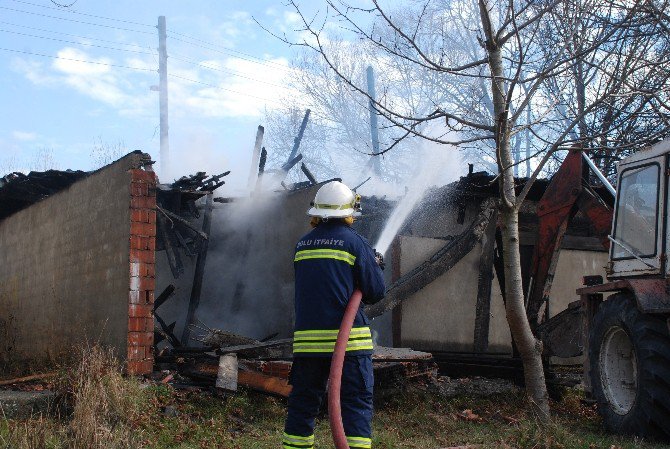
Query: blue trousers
[309,378]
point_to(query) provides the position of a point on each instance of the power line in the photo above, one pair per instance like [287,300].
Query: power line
[229,50]
[71,35]
[143,69]
[130,22]
[250,58]
[76,43]
[223,88]
[232,72]
[140,69]
[75,21]
[191,40]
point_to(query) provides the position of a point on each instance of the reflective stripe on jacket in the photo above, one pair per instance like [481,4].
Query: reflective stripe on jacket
[330,261]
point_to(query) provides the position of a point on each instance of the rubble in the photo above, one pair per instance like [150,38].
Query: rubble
[265,366]
[18,191]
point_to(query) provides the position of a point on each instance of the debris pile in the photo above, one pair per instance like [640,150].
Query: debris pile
[18,191]
[228,361]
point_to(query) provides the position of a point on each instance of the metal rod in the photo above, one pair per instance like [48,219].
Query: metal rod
[630,251]
[599,174]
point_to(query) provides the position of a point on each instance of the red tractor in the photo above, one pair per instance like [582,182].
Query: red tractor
[625,335]
[627,319]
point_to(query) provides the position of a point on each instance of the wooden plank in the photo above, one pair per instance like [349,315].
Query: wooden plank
[194,301]
[253,173]
[484,283]
[31,378]
[263,382]
[253,347]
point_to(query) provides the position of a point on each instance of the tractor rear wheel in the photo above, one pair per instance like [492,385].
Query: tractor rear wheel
[629,356]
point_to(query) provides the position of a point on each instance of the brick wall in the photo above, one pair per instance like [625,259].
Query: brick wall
[77,268]
[142,272]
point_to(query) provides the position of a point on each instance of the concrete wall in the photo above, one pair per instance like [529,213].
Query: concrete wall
[572,266]
[65,277]
[441,316]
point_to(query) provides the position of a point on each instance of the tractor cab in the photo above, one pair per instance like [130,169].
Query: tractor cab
[627,320]
[638,240]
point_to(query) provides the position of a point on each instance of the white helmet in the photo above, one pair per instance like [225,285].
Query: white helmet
[335,200]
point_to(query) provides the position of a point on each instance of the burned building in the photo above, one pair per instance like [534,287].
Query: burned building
[115,257]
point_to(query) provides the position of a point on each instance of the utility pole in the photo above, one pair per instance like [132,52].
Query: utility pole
[163,95]
[374,127]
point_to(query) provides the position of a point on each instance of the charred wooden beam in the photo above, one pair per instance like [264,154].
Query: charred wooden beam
[439,263]
[308,173]
[253,174]
[217,338]
[167,331]
[174,260]
[194,301]
[262,161]
[298,138]
[184,222]
[261,168]
[484,283]
[164,296]
[254,346]
[291,163]
[184,244]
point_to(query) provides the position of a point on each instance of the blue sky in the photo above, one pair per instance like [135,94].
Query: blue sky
[224,69]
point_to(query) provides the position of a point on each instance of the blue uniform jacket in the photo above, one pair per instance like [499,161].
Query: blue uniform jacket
[330,262]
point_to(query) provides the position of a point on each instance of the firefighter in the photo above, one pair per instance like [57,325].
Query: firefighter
[330,262]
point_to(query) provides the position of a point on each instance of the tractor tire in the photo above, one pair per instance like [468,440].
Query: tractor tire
[629,357]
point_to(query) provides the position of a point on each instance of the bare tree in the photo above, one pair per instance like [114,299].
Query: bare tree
[43,160]
[104,153]
[505,96]
[632,65]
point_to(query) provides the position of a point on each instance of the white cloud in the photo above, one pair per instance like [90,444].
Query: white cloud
[32,70]
[24,136]
[236,88]
[292,18]
[228,95]
[71,62]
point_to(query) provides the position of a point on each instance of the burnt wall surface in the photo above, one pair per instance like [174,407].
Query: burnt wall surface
[65,274]
[248,278]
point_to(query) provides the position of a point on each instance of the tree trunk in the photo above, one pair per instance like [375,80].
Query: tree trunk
[529,347]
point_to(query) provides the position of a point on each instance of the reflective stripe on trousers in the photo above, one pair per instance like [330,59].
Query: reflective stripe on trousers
[323,341]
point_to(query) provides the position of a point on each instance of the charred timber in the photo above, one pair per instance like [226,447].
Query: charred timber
[164,296]
[184,222]
[441,262]
[196,289]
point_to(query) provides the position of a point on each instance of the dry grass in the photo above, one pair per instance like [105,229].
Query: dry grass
[98,405]
[103,409]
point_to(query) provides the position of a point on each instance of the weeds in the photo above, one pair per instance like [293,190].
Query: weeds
[98,405]
[103,409]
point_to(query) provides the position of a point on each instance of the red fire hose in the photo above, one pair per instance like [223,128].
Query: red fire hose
[335,377]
